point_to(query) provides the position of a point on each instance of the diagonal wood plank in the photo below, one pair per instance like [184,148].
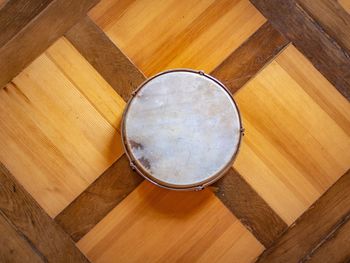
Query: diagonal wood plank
[76,219]
[33,224]
[314,227]
[332,17]
[99,199]
[105,57]
[249,208]
[250,57]
[326,54]
[38,34]
[14,15]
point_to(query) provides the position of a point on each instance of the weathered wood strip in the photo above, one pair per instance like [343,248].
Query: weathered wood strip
[14,248]
[33,224]
[249,208]
[333,19]
[38,34]
[246,61]
[99,199]
[15,15]
[105,57]
[296,25]
[313,229]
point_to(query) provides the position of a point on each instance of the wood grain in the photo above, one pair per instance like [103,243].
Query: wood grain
[247,60]
[334,20]
[197,35]
[15,15]
[38,229]
[249,208]
[14,247]
[99,199]
[335,247]
[297,134]
[310,231]
[61,140]
[38,34]
[157,225]
[325,54]
[105,57]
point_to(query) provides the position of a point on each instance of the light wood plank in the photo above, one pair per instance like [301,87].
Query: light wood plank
[314,229]
[197,35]
[46,239]
[170,226]
[326,54]
[293,149]
[38,34]
[345,4]
[51,131]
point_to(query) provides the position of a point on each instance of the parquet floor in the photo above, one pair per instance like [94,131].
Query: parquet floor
[67,193]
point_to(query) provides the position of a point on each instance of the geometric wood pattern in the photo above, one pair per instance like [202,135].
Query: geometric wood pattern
[60,130]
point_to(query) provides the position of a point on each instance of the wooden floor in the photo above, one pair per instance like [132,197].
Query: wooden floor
[66,185]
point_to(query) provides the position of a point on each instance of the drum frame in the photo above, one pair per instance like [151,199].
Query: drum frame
[137,166]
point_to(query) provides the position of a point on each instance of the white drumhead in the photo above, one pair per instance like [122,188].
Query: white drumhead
[181,129]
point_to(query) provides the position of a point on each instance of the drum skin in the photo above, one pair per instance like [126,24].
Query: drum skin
[181,129]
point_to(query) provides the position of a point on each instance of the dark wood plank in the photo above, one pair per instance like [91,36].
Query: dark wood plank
[332,17]
[105,57]
[249,208]
[15,15]
[99,198]
[14,248]
[33,224]
[314,227]
[38,34]
[336,248]
[246,61]
[296,25]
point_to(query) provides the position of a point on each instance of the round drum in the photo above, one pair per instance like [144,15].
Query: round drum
[181,129]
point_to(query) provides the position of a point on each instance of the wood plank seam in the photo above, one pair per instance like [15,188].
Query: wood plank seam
[36,36]
[266,42]
[291,20]
[306,237]
[31,223]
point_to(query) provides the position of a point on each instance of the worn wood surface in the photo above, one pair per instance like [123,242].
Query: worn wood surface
[197,35]
[99,199]
[14,247]
[38,34]
[333,19]
[157,225]
[246,61]
[289,156]
[314,227]
[105,57]
[249,208]
[15,15]
[325,53]
[33,225]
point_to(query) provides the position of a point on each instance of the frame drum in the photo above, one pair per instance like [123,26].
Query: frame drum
[181,129]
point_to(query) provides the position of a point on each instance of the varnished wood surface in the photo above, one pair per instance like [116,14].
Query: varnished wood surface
[62,140]
[158,225]
[35,227]
[197,35]
[106,58]
[296,142]
[326,54]
[245,62]
[315,228]
[249,208]
[99,199]
[36,35]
